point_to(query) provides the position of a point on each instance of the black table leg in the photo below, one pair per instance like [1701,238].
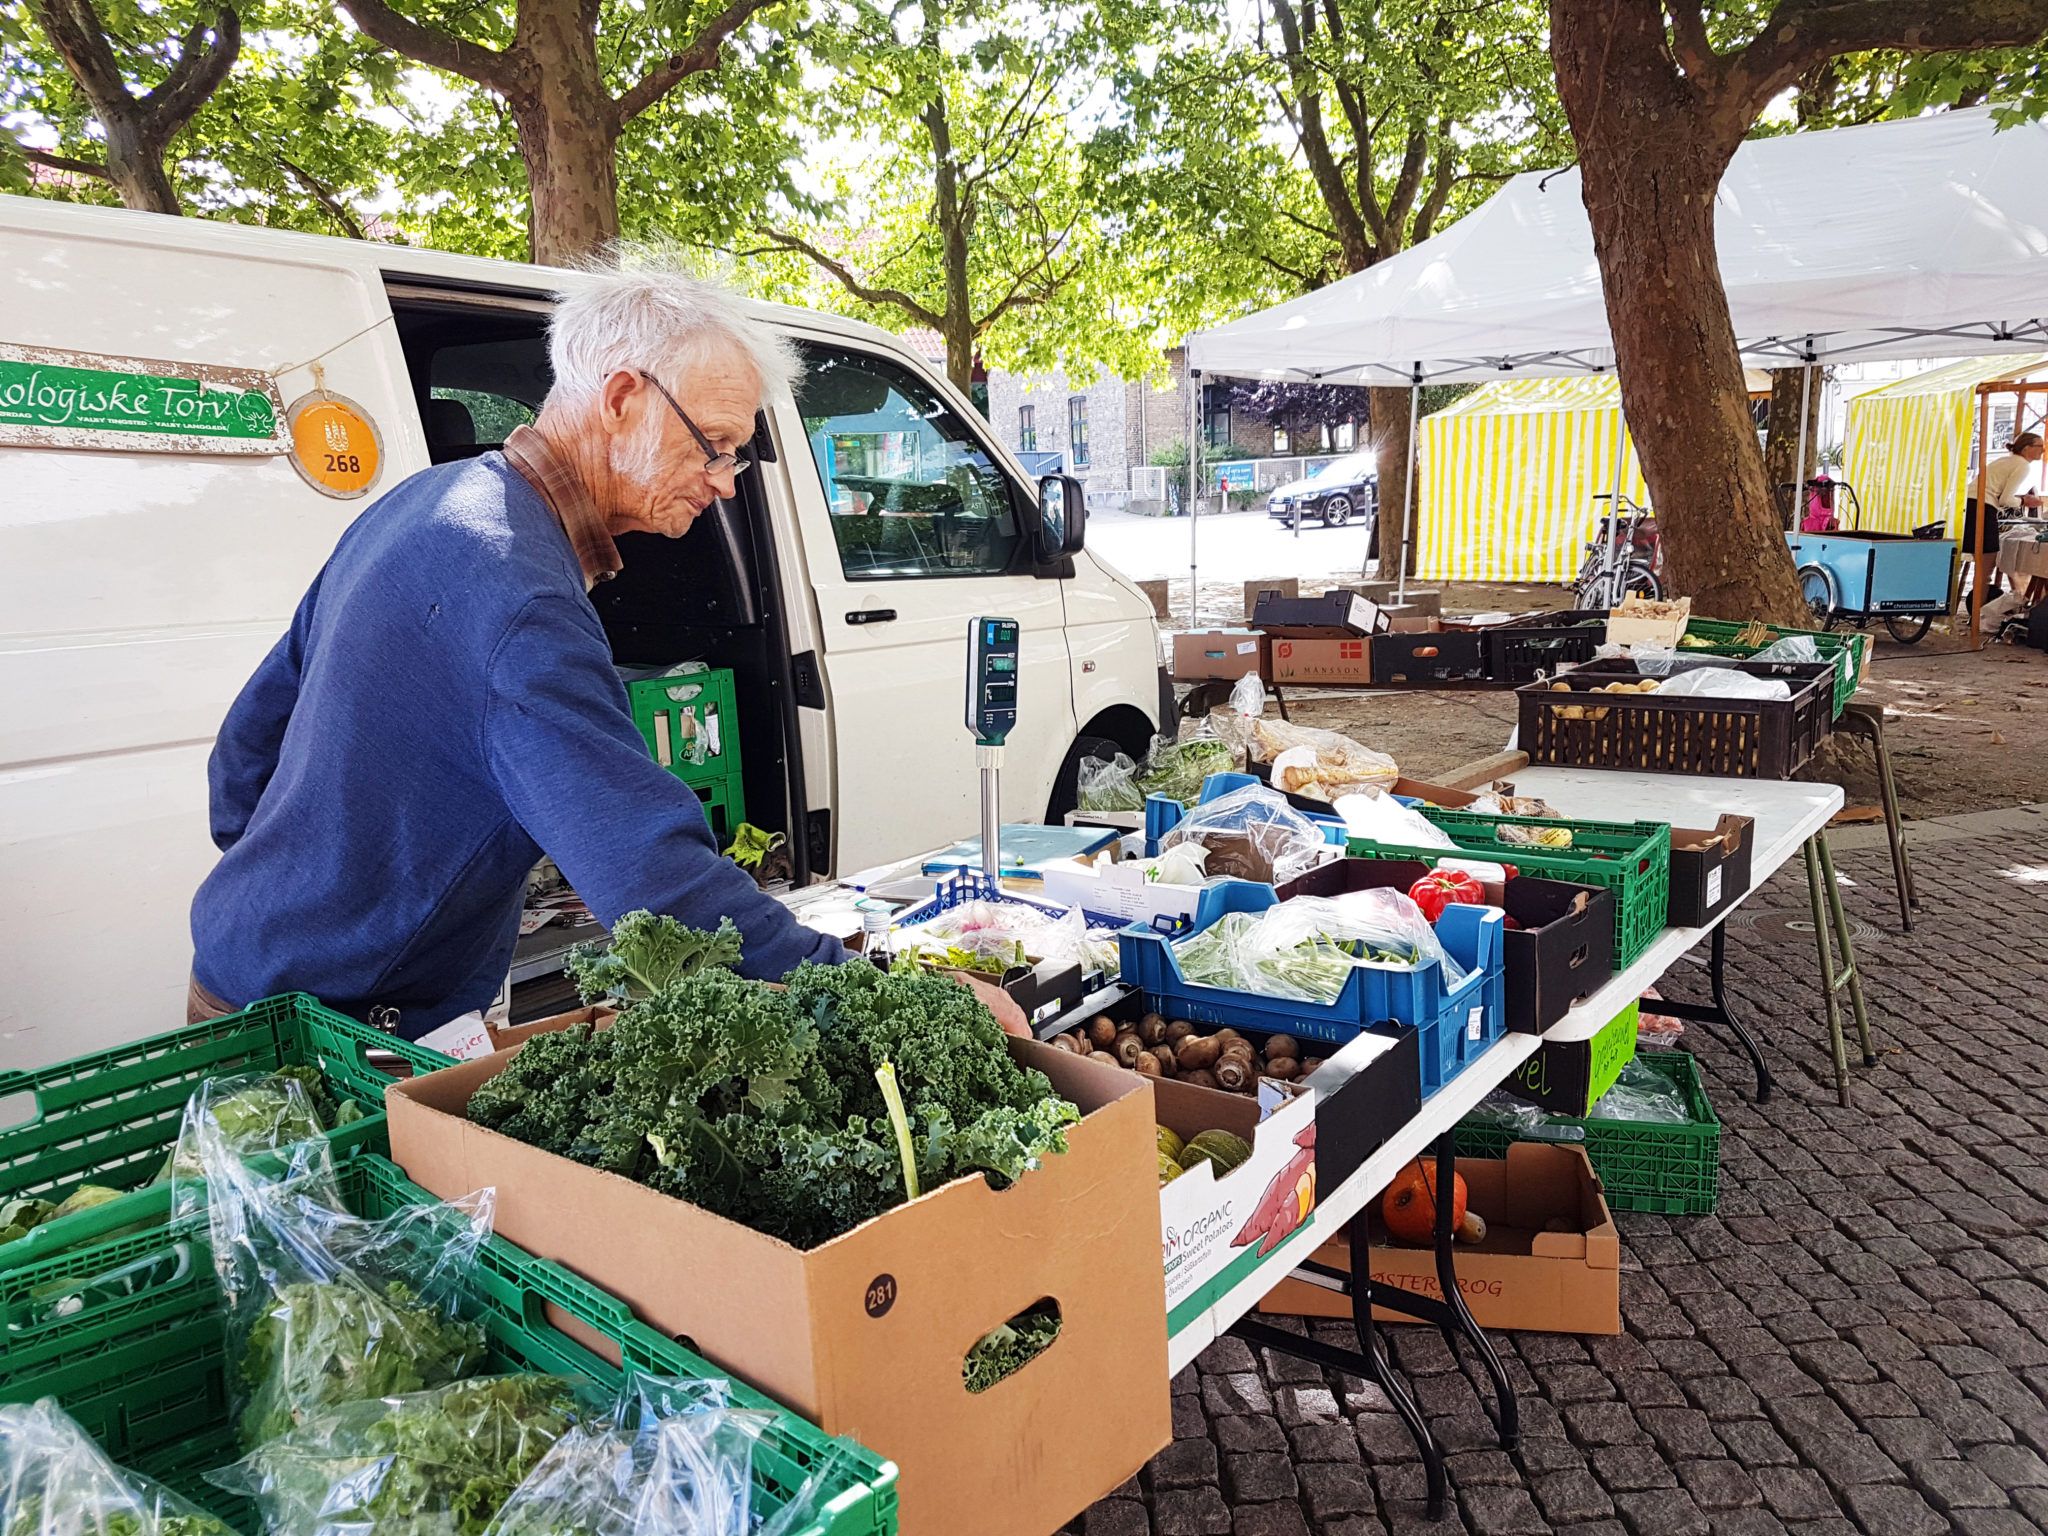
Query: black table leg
[1717,1012]
[1369,1362]
[1507,1417]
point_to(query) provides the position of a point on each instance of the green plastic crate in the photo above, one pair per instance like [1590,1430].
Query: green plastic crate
[142,1364]
[1849,652]
[112,1117]
[1671,1170]
[1630,858]
[660,707]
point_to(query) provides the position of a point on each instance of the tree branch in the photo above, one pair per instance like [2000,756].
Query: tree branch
[1689,44]
[702,54]
[75,30]
[1803,33]
[200,69]
[44,158]
[1441,182]
[851,283]
[1307,117]
[324,195]
[431,46]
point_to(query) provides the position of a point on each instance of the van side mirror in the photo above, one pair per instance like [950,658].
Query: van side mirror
[1062,518]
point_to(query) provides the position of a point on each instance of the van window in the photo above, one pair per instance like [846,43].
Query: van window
[911,490]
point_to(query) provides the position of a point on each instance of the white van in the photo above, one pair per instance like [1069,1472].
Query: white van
[154,542]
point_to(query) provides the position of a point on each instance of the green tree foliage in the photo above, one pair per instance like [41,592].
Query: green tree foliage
[960,194]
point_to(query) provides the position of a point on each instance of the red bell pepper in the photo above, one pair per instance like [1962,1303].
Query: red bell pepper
[1441,888]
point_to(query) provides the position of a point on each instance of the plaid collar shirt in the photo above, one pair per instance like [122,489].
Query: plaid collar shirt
[528,452]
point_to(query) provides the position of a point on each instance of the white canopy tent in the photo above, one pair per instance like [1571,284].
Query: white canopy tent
[1924,237]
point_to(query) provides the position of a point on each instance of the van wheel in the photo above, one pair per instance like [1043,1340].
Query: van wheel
[1066,785]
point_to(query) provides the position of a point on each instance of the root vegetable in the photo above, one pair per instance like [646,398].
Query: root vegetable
[1234,1073]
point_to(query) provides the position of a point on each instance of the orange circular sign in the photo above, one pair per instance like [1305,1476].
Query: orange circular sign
[335,446]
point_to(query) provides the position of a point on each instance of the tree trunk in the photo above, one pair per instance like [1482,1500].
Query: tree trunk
[1387,421]
[954,218]
[568,136]
[135,166]
[1650,158]
[1781,446]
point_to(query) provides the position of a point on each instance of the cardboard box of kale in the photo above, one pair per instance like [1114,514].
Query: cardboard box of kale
[1710,870]
[867,1334]
[1338,610]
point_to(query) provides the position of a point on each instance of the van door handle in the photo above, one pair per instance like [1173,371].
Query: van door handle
[871,616]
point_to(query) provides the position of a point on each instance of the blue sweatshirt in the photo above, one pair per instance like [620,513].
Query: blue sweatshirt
[441,712]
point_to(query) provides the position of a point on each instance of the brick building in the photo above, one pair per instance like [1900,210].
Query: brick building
[1106,429]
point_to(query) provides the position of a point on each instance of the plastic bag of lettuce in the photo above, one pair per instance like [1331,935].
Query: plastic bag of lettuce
[55,1481]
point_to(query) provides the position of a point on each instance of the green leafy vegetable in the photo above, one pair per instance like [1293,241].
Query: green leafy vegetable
[647,953]
[56,1481]
[1008,1346]
[319,1343]
[1177,768]
[952,957]
[1314,970]
[765,1105]
[436,1463]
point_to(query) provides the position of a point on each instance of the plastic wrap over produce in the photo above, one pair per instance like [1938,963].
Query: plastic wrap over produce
[324,1306]
[55,1481]
[1309,761]
[993,936]
[1251,833]
[1307,948]
[1713,683]
[1109,784]
[1381,818]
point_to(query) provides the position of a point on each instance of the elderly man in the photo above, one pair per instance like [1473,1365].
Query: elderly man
[443,709]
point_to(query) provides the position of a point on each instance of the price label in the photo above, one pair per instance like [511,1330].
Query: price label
[1473,1022]
[1713,886]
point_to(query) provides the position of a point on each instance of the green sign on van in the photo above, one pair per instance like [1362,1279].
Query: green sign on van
[137,404]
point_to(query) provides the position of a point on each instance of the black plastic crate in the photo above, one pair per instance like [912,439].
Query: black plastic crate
[1435,656]
[1540,645]
[1568,721]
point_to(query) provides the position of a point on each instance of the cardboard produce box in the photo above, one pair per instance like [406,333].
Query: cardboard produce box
[507,1037]
[1340,610]
[1219,654]
[1334,658]
[1710,870]
[1640,621]
[867,1335]
[1550,1263]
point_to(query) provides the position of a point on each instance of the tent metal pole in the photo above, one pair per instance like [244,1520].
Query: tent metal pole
[1408,496]
[1977,581]
[1194,491]
[1799,465]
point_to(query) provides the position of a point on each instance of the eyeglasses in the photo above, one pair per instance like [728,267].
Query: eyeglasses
[714,462]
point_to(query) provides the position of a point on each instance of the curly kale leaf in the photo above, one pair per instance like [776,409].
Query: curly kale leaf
[436,1463]
[648,953]
[1008,1346]
[319,1343]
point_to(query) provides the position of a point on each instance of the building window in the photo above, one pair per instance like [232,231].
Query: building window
[1027,429]
[1280,440]
[1077,430]
[1215,415]
[1347,436]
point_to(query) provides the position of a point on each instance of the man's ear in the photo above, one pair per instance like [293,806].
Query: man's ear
[616,401]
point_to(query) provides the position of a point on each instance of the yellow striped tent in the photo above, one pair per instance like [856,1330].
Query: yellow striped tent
[1508,475]
[1906,449]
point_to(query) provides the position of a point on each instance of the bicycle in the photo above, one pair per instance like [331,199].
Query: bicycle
[1618,563]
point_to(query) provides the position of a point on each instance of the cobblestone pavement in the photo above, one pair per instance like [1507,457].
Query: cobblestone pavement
[1856,1341]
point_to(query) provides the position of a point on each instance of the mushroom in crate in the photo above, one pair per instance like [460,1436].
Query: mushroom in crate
[1180,1050]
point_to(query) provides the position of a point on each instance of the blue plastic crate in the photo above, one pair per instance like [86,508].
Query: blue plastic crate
[1163,813]
[1453,1024]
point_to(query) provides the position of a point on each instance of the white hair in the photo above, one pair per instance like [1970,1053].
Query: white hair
[644,309]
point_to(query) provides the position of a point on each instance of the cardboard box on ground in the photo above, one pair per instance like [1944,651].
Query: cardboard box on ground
[1221,655]
[1550,1263]
[867,1335]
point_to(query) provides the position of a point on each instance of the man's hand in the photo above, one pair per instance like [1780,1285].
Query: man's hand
[1002,1005]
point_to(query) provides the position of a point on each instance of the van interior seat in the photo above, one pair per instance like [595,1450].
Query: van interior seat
[451,432]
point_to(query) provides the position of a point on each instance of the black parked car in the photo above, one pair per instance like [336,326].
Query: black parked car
[1341,491]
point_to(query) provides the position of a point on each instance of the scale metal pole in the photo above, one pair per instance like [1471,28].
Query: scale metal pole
[990,761]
